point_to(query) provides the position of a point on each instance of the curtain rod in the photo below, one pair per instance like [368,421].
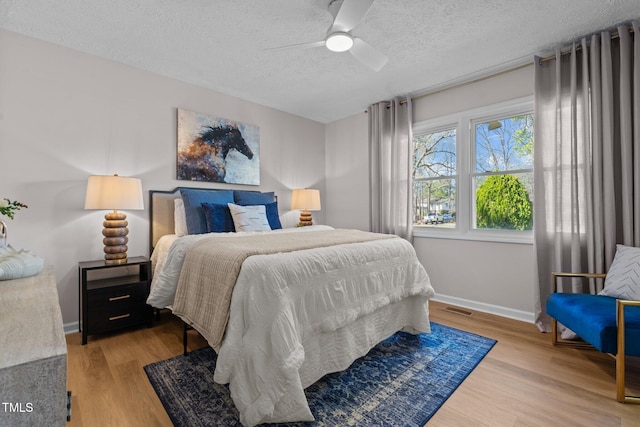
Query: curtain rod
[614,36]
[388,104]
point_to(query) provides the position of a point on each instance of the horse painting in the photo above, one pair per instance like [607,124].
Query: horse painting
[205,157]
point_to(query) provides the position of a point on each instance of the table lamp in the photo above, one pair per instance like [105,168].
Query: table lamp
[307,199]
[114,193]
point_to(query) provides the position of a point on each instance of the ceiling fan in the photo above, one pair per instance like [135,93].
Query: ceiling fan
[347,14]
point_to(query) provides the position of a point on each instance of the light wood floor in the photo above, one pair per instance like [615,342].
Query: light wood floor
[523,381]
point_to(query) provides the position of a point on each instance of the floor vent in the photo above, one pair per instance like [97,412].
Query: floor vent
[459,311]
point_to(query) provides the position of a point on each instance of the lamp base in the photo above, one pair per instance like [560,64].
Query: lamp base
[115,261]
[305,218]
[115,238]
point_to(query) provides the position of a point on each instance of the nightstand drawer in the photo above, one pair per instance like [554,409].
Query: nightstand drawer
[116,296]
[101,320]
[117,307]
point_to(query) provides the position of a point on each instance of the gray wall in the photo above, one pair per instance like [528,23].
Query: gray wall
[65,115]
[488,276]
[347,173]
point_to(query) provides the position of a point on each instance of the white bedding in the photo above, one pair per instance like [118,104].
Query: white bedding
[168,256]
[297,316]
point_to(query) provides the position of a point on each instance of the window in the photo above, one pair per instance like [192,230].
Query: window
[473,174]
[434,177]
[503,176]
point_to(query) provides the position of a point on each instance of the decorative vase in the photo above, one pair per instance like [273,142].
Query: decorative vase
[3,234]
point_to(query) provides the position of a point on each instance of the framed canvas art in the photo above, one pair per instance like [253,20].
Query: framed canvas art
[214,149]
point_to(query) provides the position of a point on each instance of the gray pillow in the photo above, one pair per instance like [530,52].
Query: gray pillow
[623,277]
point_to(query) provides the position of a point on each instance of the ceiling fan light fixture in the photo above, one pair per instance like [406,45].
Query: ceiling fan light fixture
[339,42]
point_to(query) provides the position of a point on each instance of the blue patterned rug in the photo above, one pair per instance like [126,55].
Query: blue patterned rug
[402,381]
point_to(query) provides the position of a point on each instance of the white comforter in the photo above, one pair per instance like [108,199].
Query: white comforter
[297,316]
[168,256]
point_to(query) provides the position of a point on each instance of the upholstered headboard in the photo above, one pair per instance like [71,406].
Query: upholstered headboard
[161,210]
[161,214]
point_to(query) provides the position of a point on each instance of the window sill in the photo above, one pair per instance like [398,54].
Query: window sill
[517,237]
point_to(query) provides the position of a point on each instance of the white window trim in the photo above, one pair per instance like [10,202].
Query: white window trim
[463,121]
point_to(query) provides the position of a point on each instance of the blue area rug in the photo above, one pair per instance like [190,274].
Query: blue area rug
[402,381]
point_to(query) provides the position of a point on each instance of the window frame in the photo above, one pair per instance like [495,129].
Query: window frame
[463,122]
[454,177]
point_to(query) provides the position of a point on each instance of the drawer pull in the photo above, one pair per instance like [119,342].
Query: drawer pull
[119,298]
[119,317]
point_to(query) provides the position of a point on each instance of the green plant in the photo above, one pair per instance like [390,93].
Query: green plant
[7,207]
[502,202]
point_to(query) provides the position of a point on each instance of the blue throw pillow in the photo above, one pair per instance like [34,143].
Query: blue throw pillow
[218,218]
[193,210]
[252,198]
[273,216]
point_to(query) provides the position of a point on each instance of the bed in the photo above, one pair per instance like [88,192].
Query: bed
[281,307]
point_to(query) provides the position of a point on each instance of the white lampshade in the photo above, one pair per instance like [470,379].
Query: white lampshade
[114,192]
[306,198]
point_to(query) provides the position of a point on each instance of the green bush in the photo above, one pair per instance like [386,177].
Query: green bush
[502,202]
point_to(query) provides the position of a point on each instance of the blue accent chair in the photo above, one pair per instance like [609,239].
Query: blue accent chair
[610,325]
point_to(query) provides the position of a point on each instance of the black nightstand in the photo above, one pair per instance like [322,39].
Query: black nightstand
[111,303]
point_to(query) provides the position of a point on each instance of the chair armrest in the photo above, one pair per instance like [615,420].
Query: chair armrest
[621,303]
[560,275]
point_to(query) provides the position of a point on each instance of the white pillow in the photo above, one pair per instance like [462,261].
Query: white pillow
[179,218]
[623,277]
[18,264]
[249,218]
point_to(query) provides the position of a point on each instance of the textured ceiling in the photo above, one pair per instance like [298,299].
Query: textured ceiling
[223,44]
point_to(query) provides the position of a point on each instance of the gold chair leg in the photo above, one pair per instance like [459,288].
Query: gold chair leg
[620,377]
[554,331]
[620,361]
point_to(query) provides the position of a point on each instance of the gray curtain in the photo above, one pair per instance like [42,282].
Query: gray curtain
[390,166]
[587,158]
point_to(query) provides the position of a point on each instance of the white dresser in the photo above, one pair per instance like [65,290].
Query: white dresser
[33,353]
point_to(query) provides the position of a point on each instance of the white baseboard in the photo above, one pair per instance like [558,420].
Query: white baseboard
[71,327]
[486,308]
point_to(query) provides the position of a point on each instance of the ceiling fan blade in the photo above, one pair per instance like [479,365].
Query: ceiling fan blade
[298,46]
[366,54]
[350,13]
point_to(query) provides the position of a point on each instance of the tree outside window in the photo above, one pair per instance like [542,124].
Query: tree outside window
[434,177]
[504,173]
